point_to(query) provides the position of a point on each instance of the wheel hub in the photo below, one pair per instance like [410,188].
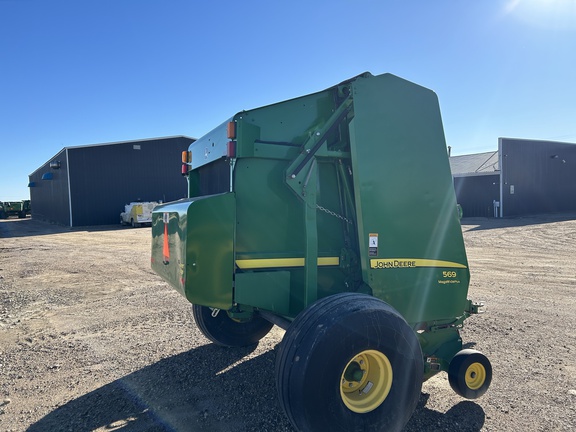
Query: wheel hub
[354,372]
[366,381]
[475,376]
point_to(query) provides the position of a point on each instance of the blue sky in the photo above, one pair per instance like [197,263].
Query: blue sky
[93,71]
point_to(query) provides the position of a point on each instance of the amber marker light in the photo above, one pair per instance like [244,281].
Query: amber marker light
[231,130]
[186,157]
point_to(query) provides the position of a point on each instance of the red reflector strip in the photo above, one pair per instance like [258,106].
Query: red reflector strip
[231,150]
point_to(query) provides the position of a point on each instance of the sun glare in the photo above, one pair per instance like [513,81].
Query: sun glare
[548,14]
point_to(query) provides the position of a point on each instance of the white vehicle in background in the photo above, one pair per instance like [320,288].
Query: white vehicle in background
[137,213]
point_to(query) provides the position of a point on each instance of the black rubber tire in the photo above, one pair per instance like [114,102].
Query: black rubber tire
[319,344]
[224,331]
[463,365]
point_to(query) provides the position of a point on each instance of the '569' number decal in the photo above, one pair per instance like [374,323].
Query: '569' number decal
[449,274]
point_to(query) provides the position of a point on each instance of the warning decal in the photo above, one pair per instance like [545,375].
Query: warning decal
[372,244]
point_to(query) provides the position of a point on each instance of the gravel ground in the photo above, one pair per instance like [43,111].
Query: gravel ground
[92,340]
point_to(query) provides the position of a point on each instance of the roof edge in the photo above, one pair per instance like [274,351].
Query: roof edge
[129,141]
[110,143]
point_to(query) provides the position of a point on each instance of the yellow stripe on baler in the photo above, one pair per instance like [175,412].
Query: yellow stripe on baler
[246,264]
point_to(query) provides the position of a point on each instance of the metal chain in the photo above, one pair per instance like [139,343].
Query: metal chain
[331,213]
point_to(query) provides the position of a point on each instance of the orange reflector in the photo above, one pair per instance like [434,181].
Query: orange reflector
[166,248]
[231,130]
[186,157]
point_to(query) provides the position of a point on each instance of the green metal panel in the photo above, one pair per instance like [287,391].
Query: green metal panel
[273,223]
[405,201]
[265,290]
[200,244]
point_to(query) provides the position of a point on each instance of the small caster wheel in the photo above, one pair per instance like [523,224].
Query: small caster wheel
[470,373]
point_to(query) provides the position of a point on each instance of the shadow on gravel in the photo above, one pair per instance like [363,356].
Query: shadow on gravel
[465,416]
[13,228]
[481,223]
[206,390]
[198,390]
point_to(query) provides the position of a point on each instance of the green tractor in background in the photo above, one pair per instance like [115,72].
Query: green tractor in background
[333,216]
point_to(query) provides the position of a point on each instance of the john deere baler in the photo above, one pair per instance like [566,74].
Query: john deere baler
[332,215]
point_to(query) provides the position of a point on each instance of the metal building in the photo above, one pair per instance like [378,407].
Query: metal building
[477,183]
[89,185]
[524,177]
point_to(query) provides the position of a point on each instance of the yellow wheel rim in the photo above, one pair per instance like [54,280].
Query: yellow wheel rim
[366,381]
[475,376]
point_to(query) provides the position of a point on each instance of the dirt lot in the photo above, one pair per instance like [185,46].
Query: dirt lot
[91,339]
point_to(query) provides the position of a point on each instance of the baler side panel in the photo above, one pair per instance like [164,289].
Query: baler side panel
[210,251]
[271,226]
[405,201]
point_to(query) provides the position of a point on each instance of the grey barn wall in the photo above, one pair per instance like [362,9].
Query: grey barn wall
[49,198]
[543,176]
[105,177]
[476,194]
